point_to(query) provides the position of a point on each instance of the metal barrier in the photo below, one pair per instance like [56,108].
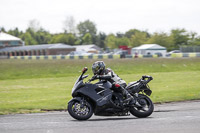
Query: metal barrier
[53,57]
[141,56]
[180,55]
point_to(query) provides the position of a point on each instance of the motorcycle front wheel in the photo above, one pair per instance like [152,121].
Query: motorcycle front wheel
[78,112]
[146,108]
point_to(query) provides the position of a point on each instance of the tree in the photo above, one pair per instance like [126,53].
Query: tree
[87,39]
[110,41]
[63,38]
[197,41]
[15,32]
[132,32]
[42,36]
[162,39]
[194,39]
[138,38]
[34,25]
[180,37]
[119,35]
[87,27]
[122,41]
[28,39]
[69,25]
[2,29]
[101,40]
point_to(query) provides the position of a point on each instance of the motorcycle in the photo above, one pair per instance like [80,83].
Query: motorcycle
[101,100]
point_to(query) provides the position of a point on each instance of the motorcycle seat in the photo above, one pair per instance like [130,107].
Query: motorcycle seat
[131,84]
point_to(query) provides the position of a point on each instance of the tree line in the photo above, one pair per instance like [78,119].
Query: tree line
[86,33]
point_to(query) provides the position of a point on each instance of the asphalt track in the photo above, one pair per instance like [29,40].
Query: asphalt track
[179,117]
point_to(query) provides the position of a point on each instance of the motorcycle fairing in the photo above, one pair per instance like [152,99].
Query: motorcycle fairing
[96,92]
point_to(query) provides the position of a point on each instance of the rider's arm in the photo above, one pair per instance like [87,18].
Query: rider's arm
[106,76]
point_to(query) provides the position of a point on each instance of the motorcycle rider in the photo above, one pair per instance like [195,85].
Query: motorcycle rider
[102,73]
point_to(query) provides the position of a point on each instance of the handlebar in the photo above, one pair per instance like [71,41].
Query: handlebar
[149,78]
[93,78]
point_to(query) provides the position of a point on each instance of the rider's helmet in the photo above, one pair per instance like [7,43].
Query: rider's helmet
[98,67]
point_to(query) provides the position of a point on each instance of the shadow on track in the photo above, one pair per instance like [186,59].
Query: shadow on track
[164,111]
[114,119]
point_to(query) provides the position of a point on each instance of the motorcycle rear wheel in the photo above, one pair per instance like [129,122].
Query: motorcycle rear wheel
[80,113]
[146,109]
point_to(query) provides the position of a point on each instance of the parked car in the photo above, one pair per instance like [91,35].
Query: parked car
[159,54]
[79,53]
[122,53]
[173,51]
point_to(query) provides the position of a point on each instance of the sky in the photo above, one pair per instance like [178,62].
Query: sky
[110,16]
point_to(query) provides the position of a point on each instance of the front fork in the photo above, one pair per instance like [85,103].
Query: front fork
[82,102]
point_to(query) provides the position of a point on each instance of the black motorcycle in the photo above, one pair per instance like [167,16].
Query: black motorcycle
[100,99]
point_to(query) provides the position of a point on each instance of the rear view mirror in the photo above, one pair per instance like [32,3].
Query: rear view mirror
[84,69]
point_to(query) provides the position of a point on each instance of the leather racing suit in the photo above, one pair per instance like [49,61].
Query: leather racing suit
[109,75]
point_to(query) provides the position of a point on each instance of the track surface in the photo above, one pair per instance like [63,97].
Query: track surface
[180,117]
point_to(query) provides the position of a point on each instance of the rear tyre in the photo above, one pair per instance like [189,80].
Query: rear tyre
[146,109]
[78,112]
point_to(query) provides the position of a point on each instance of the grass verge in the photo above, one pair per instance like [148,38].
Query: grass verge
[34,87]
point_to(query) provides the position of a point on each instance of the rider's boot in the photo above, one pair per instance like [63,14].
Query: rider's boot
[130,99]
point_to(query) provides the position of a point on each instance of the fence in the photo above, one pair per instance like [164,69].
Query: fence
[188,49]
[52,57]
[175,55]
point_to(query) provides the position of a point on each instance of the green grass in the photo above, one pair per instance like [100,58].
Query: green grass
[34,85]
[26,69]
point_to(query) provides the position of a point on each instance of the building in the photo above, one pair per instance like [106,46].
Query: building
[91,48]
[13,46]
[43,49]
[7,40]
[150,49]
[125,49]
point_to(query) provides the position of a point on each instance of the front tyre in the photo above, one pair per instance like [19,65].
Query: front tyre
[78,111]
[146,109]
